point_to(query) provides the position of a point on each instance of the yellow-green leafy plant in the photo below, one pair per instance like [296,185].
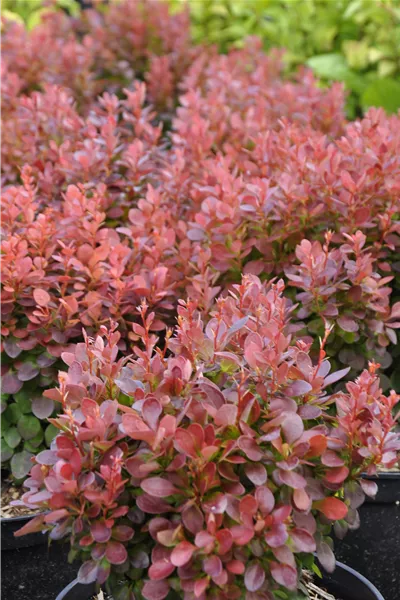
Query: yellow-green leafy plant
[30,12]
[355,41]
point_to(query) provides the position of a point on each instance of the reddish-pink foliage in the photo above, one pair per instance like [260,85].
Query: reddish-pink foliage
[104,206]
[214,464]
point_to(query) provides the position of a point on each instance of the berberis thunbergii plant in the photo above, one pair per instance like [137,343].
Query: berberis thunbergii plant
[212,468]
[138,165]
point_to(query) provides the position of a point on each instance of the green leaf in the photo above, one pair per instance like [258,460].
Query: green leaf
[316,570]
[12,437]
[382,92]
[50,434]
[13,413]
[395,381]
[23,399]
[5,423]
[329,66]
[21,464]
[36,441]
[5,451]
[28,426]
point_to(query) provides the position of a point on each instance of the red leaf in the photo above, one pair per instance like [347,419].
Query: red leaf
[292,427]
[10,384]
[298,388]
[116,553]
[248,505]
[318,445]
[333,377]
[212,566]
[326,557]
[277,536]
[303,540]
[332,508]
[250,448]
[256,472]
[348,324]
[284,575]
[151,412]
[158,487]
[265,499]
[88,572]
[254,577]
[200,586]
[182,553]
[292,479]
[369,487]
[348,182]
[33,526]
[193,519]
[122,533]
[41,297]
[151,505]
[224,540]
[331,459]
[184,443]
[136,428]
[161,569]
[301,500]
[337,474]
[155,590]
[226,415]
[56,515]
[236,567]
[242,534]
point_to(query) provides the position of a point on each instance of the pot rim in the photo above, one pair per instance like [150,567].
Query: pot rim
[22,517]
[63,593]
[383,475]
[69,587]
[361,577]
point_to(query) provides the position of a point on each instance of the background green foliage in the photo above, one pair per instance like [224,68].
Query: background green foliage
[355,41]
[30,11]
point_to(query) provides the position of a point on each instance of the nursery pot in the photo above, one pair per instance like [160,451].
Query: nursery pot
[388,488]
[10,526]
[346,583]
[376,542]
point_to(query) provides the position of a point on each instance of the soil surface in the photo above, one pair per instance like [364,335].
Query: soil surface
[9,493]
[36,573]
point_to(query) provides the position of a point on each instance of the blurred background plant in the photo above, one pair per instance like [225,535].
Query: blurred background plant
[354,41]
[30,12]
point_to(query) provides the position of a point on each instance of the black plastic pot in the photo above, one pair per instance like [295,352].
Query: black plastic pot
[10,526]
[376,543]
[36,573]
[346,583]
[388,488]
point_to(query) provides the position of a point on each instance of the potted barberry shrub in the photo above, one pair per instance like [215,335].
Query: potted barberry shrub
[215,467]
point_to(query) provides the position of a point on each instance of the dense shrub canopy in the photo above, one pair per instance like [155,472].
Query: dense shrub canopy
[215,466]
[110,195]
[186,238]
